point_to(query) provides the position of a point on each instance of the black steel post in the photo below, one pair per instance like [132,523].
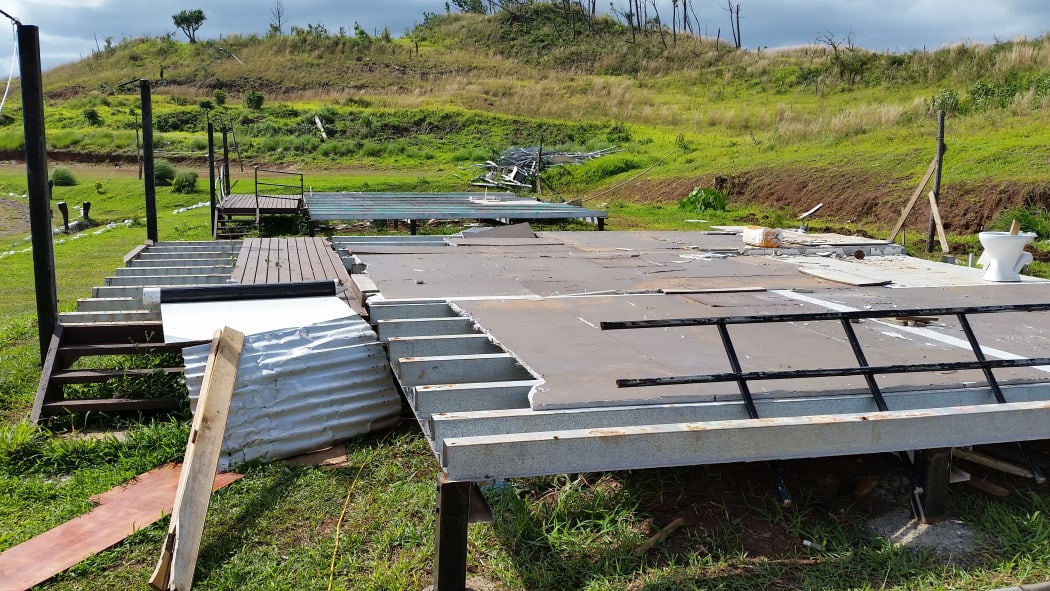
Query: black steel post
[211,174]
[936,465]
[936,179]
[225,161]
[148,177]
[36,179]
[450,547]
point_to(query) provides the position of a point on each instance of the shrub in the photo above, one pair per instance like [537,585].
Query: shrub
[185,182]
[254,100]
[219,96]
[163,173]
[606,167]
[92,117]
[704,199]
[946,100]
[62,177]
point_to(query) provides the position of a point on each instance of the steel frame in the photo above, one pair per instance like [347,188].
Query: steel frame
[487,433]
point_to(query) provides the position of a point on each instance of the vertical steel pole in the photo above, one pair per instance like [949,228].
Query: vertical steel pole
[147,170]
[225,160]
[450,548]
[211,174]
[36,179]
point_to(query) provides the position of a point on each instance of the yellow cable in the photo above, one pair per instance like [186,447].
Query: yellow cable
[346,504]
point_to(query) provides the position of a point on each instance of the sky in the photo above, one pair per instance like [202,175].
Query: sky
[72,29]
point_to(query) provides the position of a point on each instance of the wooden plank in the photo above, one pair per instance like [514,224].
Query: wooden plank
[913,200]
[121,511]
[936,211]
[283,264]
[295,265]
[334,268]
[61,407]
[245,266]
[263,245]
[182,544]
[97,376]
[46,391]
[316,268]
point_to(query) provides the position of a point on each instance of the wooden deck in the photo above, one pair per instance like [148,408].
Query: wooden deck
[264,204]
[291,260]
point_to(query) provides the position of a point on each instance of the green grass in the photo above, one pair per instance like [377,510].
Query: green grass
[416,122]
[277,527]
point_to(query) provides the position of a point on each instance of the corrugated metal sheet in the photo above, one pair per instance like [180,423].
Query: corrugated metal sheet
[301,389]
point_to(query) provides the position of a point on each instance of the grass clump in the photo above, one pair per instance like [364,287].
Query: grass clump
[63,177]
[185,182]
[163,173]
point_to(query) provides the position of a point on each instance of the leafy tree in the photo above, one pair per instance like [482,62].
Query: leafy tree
[189,21]
[471,6]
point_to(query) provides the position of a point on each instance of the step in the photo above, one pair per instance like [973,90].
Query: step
[170,270]
[109,304]
[114,316]
[191,244]
[122,291]
[460,369]
[162,280]
[107,405]
[70,353]
[98,376]
[175,261]
[185,256]
[399,311]
[122,333]
[418,327]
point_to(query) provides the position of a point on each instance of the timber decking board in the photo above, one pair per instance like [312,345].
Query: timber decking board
[288,260]
[267,204]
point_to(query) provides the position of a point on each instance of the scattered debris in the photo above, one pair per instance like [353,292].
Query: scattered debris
[517,168]
[914,320]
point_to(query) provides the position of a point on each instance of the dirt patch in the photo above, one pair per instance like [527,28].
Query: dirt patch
[14,216]
[869,199]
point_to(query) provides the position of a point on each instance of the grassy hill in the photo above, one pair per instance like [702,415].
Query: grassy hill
[830,123]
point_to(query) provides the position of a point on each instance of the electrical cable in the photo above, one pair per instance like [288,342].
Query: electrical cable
[346,505]
[11,74]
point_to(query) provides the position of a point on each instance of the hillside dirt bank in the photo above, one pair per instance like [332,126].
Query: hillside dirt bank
[850,200]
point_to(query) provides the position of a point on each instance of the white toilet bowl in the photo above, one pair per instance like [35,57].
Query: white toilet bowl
[1004,254]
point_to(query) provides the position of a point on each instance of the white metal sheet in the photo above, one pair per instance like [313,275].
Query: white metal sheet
[195,321]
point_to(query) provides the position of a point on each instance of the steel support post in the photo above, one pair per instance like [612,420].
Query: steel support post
[450,546]
[412,227]
[936,466]
[147,158]
[211,176]
[37,184]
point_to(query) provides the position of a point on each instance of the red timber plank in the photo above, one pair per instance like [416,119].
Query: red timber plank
[121,512]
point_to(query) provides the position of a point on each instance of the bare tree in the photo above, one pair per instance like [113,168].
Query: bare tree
[277,18]
[734,21]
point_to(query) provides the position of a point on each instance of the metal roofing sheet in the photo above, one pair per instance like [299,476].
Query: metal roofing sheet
[301,389]
[440,206]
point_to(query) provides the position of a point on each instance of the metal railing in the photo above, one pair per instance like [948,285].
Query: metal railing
[862,368]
